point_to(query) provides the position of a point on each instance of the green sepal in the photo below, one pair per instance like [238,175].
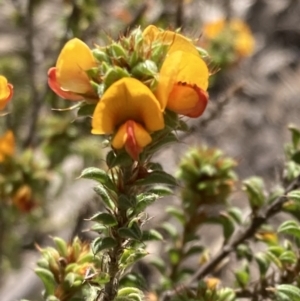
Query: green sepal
[101,55]
[144,69]
[113,75]
[61,246]
[104,218]
[116,50]
[48,280]
[98,175]
[99,244]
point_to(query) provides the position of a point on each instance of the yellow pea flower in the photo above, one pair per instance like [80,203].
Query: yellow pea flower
[168,37]
[23,200]
[7,145]
[243,41]
[6,92]
[130,111]
[69,77]
[183,78]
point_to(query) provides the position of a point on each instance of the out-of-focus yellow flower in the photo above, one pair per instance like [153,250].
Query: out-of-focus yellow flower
[69,79]
[6,92]
[22,199]
[7,145]
[243,41]
[129,110]
[183,78]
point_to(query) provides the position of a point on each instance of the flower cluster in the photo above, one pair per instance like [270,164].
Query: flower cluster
[228,41]
[131,84]
[6,92]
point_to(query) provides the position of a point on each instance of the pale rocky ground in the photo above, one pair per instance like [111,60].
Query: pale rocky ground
[253,126]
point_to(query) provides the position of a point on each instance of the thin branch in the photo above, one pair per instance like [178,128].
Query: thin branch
[256,222]
[179,14]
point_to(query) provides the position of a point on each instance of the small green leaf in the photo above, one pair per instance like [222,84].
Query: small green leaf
[144,202]
[150,235]
[177,213]
[288,257]
[228,224]
[104,219]
[102,192]
[295,135]
[134,280]
[98,175]
[145,68]
[170,229]
[290,227]
[254,188]
[115,159]
[263,262]
[157,177]
[274,259]
[100,244]
[236,214]
[289,290]
[194,250]
[159,264]
[161,191]
[174,256]
[86,110]
[101,278]
[243,276]
[294,195]
[130,233]
[129,290]
[296,157]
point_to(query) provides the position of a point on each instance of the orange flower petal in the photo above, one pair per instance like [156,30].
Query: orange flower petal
[133,136]
[187,100]
[6,92]
[127,99]
[181,67]
[71,66]
[55,87]
[7,145]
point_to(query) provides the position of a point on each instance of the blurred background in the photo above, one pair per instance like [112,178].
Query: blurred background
[253,97]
